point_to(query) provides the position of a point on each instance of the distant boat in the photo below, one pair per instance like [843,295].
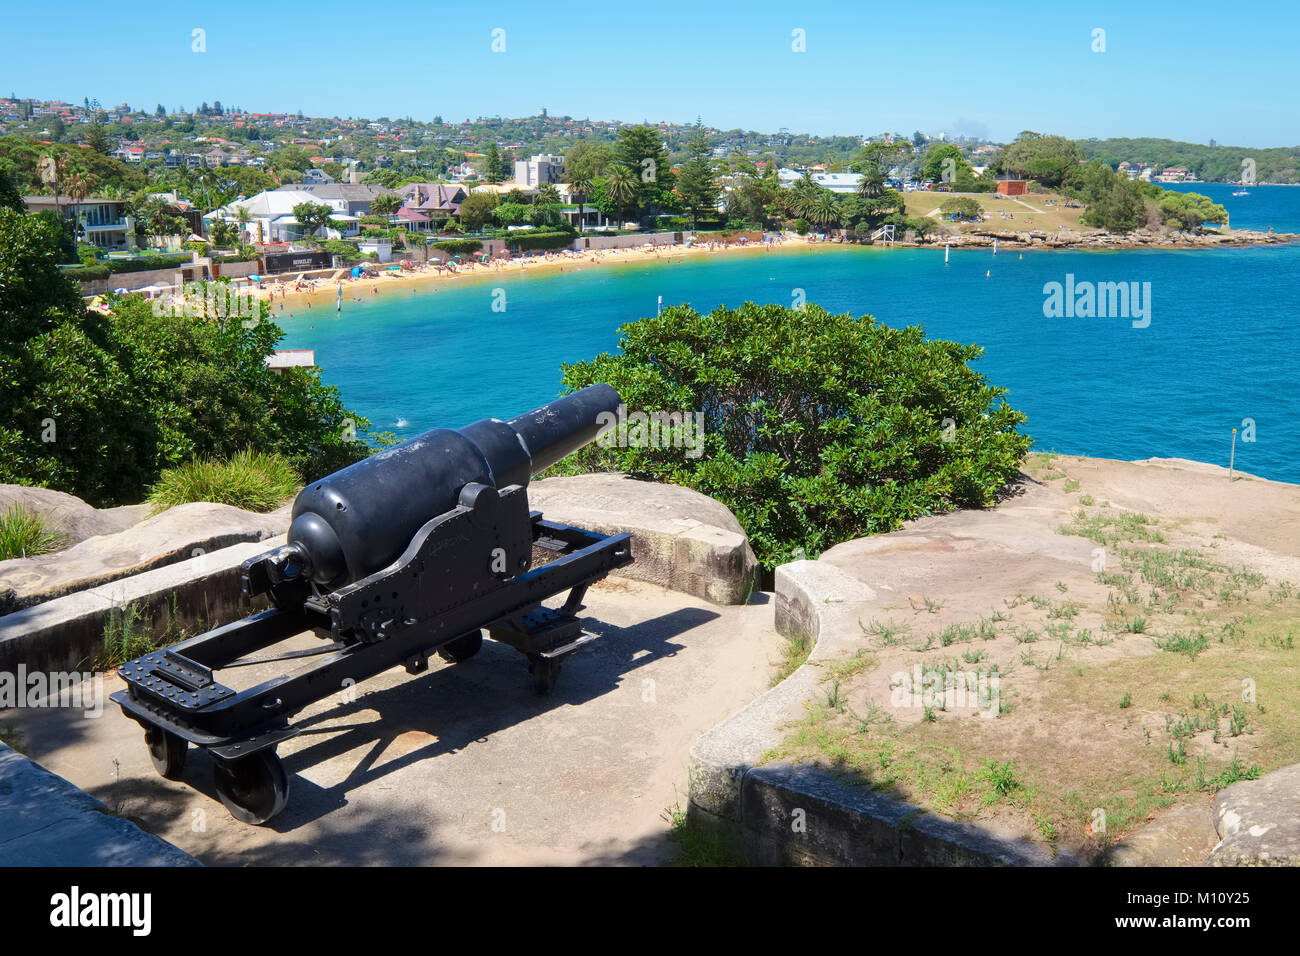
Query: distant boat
[1241,192]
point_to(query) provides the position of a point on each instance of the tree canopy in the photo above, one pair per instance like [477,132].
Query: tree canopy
[818,428]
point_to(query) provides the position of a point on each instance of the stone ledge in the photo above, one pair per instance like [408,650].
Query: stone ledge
[167,538]
[66,633]
[46,821]
[681,540]
[752,804]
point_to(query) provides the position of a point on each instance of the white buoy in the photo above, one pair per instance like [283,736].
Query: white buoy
[1233,456]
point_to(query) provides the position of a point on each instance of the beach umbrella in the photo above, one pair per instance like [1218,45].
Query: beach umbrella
[119,292]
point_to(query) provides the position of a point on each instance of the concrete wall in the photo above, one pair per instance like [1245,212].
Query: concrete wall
[65,634]
[132,281]
[635,241]
[235,270]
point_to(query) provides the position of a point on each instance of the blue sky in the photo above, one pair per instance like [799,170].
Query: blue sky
[975,68]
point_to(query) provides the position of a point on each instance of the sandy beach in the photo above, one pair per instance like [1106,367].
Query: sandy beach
[322,292]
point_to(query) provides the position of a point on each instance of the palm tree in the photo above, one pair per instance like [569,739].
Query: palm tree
[243,225]
[824,209]
[621,188]
[385,204]
[547,193]
[579,187]
[872,185]
[78,188]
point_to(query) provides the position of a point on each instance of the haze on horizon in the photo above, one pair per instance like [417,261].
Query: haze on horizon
[866,68]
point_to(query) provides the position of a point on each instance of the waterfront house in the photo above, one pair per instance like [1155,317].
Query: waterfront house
[100,222]
[437,202]
[269,216]
[350,199]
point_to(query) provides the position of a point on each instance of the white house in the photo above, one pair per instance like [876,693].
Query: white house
[270,216]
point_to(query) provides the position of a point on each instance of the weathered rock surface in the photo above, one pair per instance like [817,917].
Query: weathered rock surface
[1182,836]
[71,516]
[681,539]
[1259,821]
[175,535]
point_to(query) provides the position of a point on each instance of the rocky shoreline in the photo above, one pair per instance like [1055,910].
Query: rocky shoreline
[1140,239]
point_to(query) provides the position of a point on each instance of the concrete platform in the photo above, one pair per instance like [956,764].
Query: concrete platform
[463,764]
[46,821]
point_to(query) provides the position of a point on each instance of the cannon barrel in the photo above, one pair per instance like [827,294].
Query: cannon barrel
[360,519]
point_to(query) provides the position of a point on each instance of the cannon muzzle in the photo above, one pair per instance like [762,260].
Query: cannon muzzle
[359,520]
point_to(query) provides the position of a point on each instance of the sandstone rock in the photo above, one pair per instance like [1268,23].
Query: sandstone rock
[71,516]
[175,535]
[1259,821]
[681,539]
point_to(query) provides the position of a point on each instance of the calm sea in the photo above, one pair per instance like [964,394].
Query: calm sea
[1222,346]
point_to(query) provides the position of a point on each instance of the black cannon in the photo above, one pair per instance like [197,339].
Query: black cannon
[417,549]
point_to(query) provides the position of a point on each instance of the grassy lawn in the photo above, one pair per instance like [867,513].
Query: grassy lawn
[1158,679]
[1041,217]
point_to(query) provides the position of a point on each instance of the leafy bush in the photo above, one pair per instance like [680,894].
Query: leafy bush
[458,246]
[146,264]
[1190,211]
[542,240]
[801,226]
[818,428]
[962,207]
[25,533]
[88,272]
[98,405]
[248,479]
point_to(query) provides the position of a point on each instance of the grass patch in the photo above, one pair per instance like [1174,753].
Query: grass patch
[25,533]
[1110,530]
[793,655]
[697,846]
[249,479]
[132,631]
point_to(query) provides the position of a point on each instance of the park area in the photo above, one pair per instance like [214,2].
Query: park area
[1032,211]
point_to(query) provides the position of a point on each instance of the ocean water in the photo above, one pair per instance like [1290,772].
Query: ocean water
[1222,346]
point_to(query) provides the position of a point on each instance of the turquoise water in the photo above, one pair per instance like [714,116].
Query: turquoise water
[1222,345]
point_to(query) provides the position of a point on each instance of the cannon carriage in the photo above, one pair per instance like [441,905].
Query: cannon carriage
[416,550]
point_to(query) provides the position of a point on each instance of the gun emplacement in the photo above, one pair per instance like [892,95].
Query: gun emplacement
[415,550]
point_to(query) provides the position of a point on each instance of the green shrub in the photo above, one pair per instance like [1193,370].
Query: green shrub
[818,428]
[138,392]
[542,240]
[146,264]
[88,272]
[25,533]
[801,226]
[962,207]
[249,480]
[458,246]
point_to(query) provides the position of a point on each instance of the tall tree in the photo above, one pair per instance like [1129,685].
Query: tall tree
[621,188]
[640,150]
[579,189]
[697,183]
